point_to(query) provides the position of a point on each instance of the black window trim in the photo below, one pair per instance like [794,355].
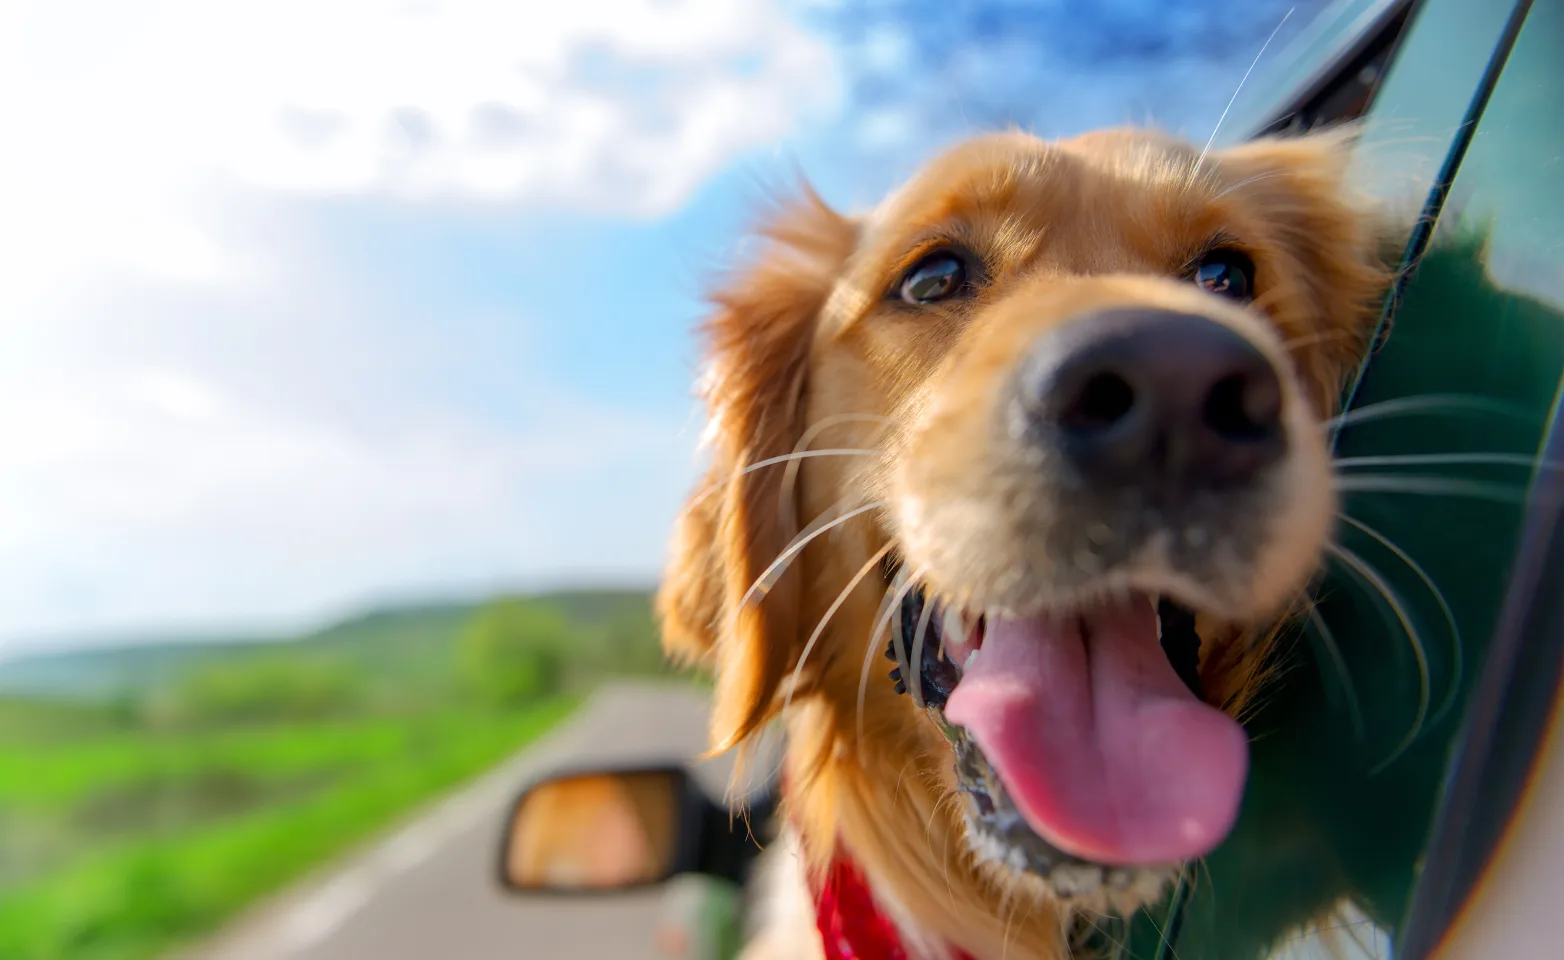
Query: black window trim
[1340,61]
[1423,230]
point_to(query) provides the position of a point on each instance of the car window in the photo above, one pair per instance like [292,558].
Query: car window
[1323,55]
[1421,103]
[1437,491]
[1496,329]
[1351,750]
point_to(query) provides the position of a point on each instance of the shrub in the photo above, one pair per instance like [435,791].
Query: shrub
[512,651]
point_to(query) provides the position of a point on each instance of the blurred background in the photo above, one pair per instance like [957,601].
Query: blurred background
[345,382]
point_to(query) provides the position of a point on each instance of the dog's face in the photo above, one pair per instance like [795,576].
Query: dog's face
[1053,412]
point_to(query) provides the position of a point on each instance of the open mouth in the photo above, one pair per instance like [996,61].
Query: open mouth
[1083,747]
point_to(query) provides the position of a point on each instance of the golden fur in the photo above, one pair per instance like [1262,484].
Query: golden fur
[803,350]
[594,831]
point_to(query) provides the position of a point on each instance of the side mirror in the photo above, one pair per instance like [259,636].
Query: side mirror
[600,831]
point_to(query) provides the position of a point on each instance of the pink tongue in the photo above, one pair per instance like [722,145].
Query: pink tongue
[1100,745]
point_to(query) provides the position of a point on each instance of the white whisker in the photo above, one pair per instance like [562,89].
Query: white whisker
[1438,459]
[790,474]
[1234,98]
[1401,406]
[830,612]
[768,576]
[1439,598]
[783,458]
[1328,640]
[880,624]
[1428,487]
[1372,577]
[915,660]
[1162,937]
[1268,175]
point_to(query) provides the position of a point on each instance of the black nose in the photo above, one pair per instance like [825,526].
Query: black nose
[1154,397]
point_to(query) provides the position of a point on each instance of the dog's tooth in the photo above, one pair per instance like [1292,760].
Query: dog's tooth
[971,658]
[1156,603]
[954,626]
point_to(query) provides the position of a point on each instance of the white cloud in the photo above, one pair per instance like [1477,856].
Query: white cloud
[136,497]
[121,118]
[204,416]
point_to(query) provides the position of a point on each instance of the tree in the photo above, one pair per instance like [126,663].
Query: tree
[630,644]
[276,685]
[512,651]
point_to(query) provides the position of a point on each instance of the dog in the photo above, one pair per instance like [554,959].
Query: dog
[1044,427]
[590,833]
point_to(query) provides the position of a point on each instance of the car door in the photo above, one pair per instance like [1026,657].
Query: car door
[1388,759]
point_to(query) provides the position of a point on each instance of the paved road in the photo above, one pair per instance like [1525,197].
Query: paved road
[427,892]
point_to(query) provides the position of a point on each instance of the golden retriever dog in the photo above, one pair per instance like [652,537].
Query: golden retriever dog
[1045,428]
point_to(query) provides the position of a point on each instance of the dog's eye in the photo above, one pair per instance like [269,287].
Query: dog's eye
[937,276]
[1226,273]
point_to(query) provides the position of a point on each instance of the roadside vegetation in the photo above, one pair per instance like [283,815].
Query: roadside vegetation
[149,793]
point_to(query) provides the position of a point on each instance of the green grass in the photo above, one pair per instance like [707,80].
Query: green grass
[150,791]
[132,842]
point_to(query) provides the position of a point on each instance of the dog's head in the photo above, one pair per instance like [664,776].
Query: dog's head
[1045,426]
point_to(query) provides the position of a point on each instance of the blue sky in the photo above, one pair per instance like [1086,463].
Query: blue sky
[312,304]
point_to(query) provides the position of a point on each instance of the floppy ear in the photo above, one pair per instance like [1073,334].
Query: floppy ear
[757,346]
[1303,190]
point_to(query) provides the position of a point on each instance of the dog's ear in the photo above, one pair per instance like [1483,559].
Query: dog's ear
[1302,188]
[757,346]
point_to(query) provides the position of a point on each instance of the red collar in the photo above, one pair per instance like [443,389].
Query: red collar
[852,926]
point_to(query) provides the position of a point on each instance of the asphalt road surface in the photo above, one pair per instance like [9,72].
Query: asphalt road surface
[427,891]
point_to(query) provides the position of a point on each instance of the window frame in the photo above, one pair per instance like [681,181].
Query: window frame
[1486,779]
[1375,39]
[1376,29]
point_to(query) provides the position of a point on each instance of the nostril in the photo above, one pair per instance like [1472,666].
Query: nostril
[1244,407]
[1104,399]
[1153,399]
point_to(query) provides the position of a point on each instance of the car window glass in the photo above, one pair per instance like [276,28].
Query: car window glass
[1510,180]
[1490,322]
[1422,101]
[1483,324]
[1281,74]
[1350,753]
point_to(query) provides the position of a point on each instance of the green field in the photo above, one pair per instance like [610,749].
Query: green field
[147,795]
